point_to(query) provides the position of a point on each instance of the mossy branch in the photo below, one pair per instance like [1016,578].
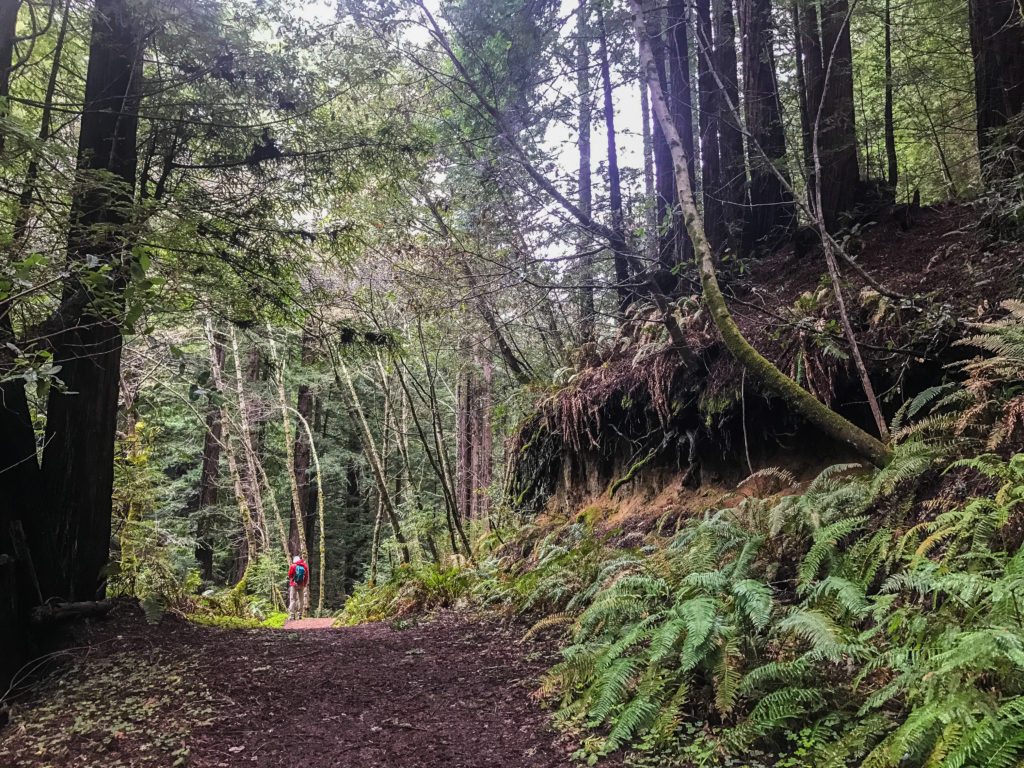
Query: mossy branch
[631,473]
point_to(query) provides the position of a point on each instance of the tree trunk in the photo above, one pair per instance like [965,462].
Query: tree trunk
[250,439]
[620,255]
[893,174]
[78,461]
[805,119]
[677,249]
[650,193]
[828,71]
[588,312]
[217,342]
[772,213]
[209,476]
[8,33]
[758,367]
[665,201]
[304,491]
[997,43]
[19,470]
[732,167]
[344,380]
[714,221]
[464,443]
[474,438]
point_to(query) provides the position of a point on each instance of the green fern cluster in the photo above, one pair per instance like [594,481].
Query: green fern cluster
[895,645]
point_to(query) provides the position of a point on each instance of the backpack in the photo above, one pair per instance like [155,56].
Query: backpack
[300,574]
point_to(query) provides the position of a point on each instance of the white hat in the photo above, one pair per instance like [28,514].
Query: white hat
[296,559]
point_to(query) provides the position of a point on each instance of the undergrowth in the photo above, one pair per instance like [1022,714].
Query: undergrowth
[865,619]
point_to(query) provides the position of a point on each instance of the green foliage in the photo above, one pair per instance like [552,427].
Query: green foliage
[885,646]
[274,621]
[409,589]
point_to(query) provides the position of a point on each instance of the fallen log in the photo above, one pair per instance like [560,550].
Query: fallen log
[57,612]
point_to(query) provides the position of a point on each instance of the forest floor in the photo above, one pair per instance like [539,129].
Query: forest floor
[452,691]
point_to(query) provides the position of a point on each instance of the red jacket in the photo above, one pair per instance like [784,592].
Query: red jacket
[291,574]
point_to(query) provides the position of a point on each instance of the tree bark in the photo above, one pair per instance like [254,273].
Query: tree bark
[997,43]
[772,213]
[209,476]
[732,167]
[892,166]
[714,221]
[588,312]
[757,366]
[665,201]
[801,89]
[677,249]
[828,71]
[78,461]
[620,254]
[19,469]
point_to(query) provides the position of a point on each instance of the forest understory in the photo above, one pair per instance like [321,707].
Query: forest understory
[600,382]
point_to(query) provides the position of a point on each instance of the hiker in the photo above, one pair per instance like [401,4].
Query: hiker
[298,580]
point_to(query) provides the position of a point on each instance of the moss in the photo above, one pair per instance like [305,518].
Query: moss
[631,473]
[712,405]
[274,621]
[590,515]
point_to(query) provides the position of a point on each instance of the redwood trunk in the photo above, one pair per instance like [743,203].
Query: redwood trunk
[893,174]
[714,221]
[830,106]
[732,167]
[19,471]
[997,42]
[772,214]
[677,248]
[664,183]
[78,462]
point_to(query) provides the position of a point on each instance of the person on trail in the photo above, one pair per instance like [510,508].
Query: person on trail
[298,595]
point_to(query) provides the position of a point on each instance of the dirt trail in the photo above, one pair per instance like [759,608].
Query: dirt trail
[449,693]
[309,624]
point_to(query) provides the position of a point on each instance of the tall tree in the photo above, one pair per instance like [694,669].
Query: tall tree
[806,144]
[620,251]
[772,212]
[997,43]
[763,371]
[664,184]
[305,492]
[588,313]
[18,466]
[677,248]
[78,461]
[828,75]
[892,176]
[732,166]
[209,474]
[714,218]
